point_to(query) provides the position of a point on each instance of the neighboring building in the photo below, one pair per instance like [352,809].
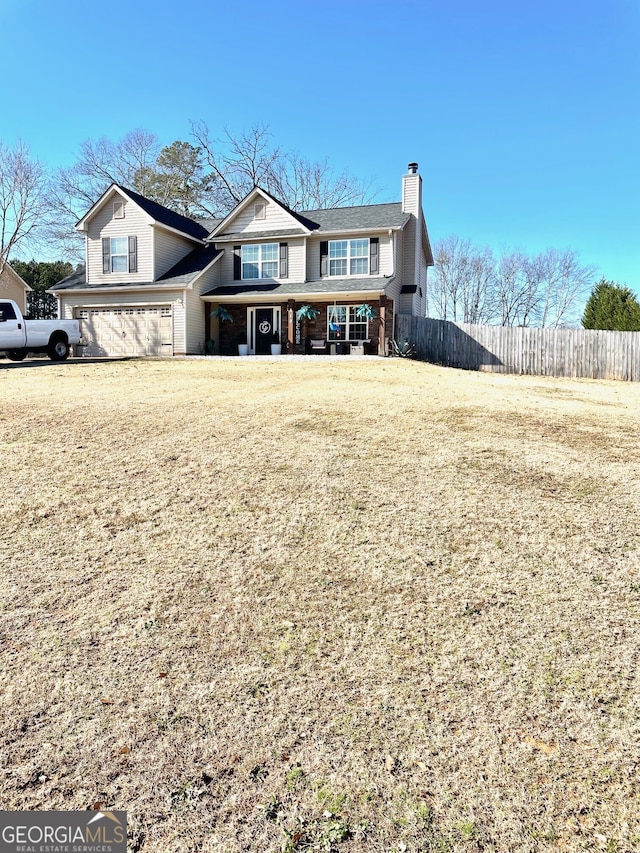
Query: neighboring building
[153,277]
[13,286]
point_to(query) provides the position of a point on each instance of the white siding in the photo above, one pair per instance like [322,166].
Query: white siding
[275,219]
[169,248]
[69,302]
[412,194]
[134,224]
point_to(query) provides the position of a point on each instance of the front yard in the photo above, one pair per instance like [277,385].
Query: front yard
[362,605]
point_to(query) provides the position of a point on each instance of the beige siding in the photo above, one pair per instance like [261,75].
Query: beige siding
[175,298]
[195,322]
[421,308]
[313,259]
[409,254]
[196,310]
[135,223]
[169,248]
[399,236]
[11,287]
[275,219]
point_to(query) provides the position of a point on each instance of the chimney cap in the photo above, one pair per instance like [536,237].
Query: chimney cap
[413,168]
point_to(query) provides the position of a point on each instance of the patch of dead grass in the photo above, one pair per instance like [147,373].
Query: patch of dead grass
[323,606]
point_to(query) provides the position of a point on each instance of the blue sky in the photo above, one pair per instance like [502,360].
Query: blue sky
[524,117]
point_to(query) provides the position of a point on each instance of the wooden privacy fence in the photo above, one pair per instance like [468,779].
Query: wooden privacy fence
[592,354]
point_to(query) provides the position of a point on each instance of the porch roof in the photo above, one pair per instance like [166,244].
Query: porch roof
[324,286]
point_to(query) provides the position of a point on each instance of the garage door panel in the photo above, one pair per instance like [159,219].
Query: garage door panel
[126,331]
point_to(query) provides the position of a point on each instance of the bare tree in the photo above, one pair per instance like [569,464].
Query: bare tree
[207,178]
[516,288]
[24,204]
[131,161]
[468,285]
[238,163]
[564,283]
[462,285]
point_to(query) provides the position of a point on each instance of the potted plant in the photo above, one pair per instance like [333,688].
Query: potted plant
[306,312]
[366,312]
[224,316]
[276,346]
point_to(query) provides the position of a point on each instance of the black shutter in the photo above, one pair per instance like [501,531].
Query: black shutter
[237,263]
[284,260]
[133,254]
[106,254]
[374,264]
[324,257]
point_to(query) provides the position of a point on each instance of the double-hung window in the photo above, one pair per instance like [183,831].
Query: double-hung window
[349,257]
[260,261]
[119,254]
[344,324]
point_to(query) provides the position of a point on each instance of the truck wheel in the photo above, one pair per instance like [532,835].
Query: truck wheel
[17,354]
[58,349]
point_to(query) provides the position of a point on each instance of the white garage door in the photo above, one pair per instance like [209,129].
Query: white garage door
[126,331]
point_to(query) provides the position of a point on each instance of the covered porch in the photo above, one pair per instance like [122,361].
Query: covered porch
[361,324]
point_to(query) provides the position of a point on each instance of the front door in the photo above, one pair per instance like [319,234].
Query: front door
[264,330]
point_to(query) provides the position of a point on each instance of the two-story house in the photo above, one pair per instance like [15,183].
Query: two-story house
[154,278]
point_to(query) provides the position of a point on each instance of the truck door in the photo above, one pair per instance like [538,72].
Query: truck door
[12,330]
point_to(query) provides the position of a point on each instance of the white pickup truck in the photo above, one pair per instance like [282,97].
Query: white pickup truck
[19,336]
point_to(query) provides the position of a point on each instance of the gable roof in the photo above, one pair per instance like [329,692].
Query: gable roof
[363,217]
[157,212]
[164,216]
[10,272]
[299,218]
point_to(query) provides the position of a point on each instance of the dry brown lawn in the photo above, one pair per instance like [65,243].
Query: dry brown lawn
[351,606]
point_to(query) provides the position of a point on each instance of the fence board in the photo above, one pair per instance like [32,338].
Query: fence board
[592,354]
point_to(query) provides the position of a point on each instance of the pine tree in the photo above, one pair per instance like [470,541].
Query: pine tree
[612,306]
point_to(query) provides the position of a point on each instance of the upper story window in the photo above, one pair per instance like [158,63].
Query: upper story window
[119,251]
[260,261]
[119,254]
[349,257]
[260,210]
[118,209]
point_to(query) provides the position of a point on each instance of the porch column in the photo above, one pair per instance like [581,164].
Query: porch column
[383,325]
[291,328]
[207,323]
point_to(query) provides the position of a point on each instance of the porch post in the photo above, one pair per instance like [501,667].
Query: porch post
[383,325]
[291,332]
